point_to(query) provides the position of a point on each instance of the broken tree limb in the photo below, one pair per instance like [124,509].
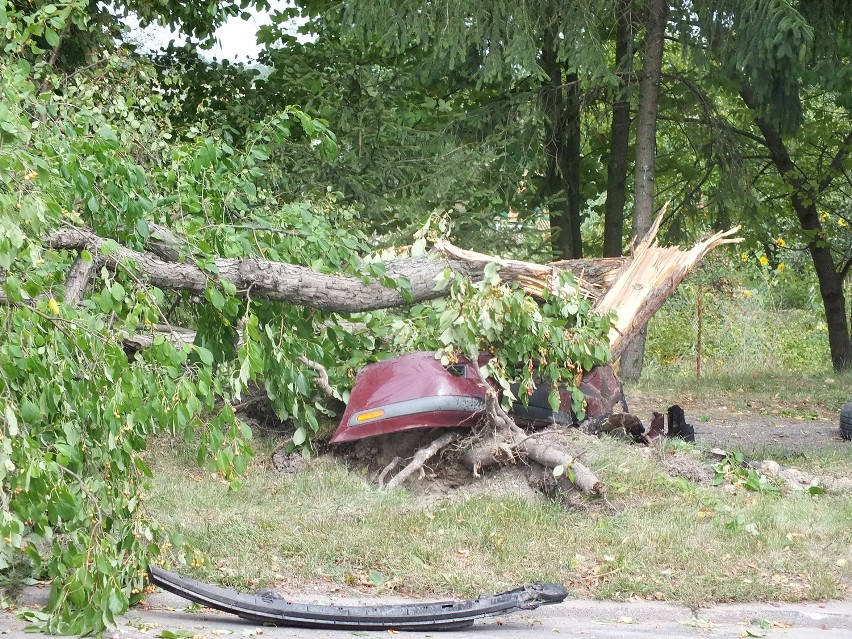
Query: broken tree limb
[507,430]
[634,287]
[174,334]
[551,457]
[321,379]
[303,286]
[593,276]
[648,280]
[272,280]
[421,457]
[77,280]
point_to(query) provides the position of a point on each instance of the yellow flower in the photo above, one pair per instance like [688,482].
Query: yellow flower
[763,260]
[780,267]
[841,222]
[780,243]
[744,257]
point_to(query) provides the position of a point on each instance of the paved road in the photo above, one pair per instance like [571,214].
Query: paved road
[582,618]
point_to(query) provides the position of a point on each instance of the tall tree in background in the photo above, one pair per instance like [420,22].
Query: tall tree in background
[646,155]
[561,98]
[547,52]
[797,92]
[616,189]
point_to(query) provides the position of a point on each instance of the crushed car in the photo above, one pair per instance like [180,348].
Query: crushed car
[416,391]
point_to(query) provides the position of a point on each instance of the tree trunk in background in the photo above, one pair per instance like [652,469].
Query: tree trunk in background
[619,137]
[570,164]
[805,195]
[646,156]
[561,192]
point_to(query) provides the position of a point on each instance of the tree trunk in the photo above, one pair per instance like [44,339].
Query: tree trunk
[646,157]
[300,285]
[634,288]
[561,98]
[804,198]
[571,162]
[616,178]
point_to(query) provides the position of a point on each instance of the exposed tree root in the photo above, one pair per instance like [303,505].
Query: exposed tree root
[507,432]
[420,458]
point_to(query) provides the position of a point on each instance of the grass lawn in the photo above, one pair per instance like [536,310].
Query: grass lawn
[656,537]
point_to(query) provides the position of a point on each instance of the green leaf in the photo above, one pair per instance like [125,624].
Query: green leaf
[765,624]
[442,279]
[92,204]
[492,273]
[299,436]
[377,578]
[117,291]
[142,229]
[215,297]
[176,634]
[51,36]
[204,355]
[11,421]
[418,248]
[30,412]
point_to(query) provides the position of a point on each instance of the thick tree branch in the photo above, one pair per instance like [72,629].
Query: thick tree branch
[79,274]
[420,458]
[271,280]
[301,285]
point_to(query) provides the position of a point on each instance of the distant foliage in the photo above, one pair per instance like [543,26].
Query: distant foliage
[755,318]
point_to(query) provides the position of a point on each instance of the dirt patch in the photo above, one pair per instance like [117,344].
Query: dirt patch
[690,467]
[443,475]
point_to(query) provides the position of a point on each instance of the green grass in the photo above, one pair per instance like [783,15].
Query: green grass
[659,538]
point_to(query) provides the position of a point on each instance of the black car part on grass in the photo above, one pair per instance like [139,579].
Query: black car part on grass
[846,421]
[268,607]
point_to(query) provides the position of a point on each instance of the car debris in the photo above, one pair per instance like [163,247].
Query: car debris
[630,427]
[268,607]
[416,391]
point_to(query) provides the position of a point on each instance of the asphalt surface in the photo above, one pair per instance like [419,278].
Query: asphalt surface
[169,617]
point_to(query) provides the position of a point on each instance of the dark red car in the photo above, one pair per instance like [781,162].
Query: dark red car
[416,391]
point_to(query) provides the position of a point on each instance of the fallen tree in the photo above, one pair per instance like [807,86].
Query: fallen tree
[631,288]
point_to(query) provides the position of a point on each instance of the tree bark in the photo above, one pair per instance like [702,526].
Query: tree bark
[272,280]
[646,157]
[571,158]
[805,195]
[616,179]
[78,279]
[561,189]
